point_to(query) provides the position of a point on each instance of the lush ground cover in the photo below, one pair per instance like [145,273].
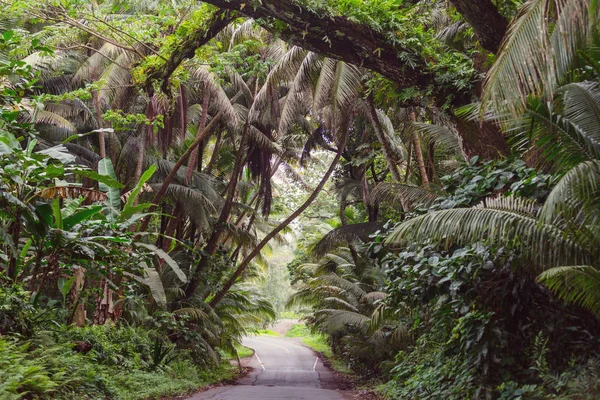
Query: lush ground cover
[115,363]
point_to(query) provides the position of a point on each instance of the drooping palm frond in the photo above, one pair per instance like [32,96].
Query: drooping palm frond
[557,140]
[441,135]
[283,71]
[332,320]
[219,101]
[398,193]
[398,149]
[263,142]
[62,127]
[195,204]
[346,84]
[582,107]
[299,97]
[345,235]
[537,51]
[575,284]
[92,68]
[522,66]
[580,186]
[115,82]
[503,223]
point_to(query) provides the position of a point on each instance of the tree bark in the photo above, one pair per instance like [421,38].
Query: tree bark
[77,316]
[485,140]
[186,49]
[489,25]
[385,145]
[246,261]
[213,240]
[192,163]
[99,123]
[419,154]
[104,304]
[165,185]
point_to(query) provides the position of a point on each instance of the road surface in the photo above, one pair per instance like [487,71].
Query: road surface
[283,369]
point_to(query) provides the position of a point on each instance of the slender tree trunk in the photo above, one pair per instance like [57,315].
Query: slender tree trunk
[431,172]
[408,162]
[171,226]
[15,231]
[246,261]
[104,304]
[419,154]
[77,315]
[182,113]
[139,166]
[213,240]
[100,123]
[163,189]
[192,163]
[385,145]
[215,154]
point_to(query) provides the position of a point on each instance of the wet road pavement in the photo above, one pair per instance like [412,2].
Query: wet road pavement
[283,369]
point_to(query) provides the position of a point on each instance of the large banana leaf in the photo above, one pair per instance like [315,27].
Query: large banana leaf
[113,205]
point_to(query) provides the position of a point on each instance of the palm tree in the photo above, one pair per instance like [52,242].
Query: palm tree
[561,239]
[346,302]
[542,44]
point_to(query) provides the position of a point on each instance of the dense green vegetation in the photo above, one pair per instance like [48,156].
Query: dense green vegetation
[433,165]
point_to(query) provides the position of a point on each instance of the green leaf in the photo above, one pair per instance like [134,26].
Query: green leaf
[151,279]
[104,179]
[8,143]
[57,214]
[59,153]
[160,253]
[129,209]
[105,167]
[80,216]
[65,285]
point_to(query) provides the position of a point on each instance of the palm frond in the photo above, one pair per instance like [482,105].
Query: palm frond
[582,107]
[531,60]
[504,225]
[345,235]
[219,101]
[331,320]
[523,66]
[575,284]
[441,135]
[398,193]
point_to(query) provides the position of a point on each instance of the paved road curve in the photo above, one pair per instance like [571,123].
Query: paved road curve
[283,369]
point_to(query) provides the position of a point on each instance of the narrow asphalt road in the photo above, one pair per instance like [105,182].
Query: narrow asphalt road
[283,369]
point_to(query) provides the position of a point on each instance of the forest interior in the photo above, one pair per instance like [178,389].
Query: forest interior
[414,183]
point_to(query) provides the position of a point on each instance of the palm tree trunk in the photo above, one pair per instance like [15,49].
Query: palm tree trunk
[104,304]
[431,172]
[171,226]
[213,240]
[100,123]
[165,185]
[77,315]
[192,163]
[246,261]
[419,154]
[385,145]
[215,154]
[182,113]
[139,166]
